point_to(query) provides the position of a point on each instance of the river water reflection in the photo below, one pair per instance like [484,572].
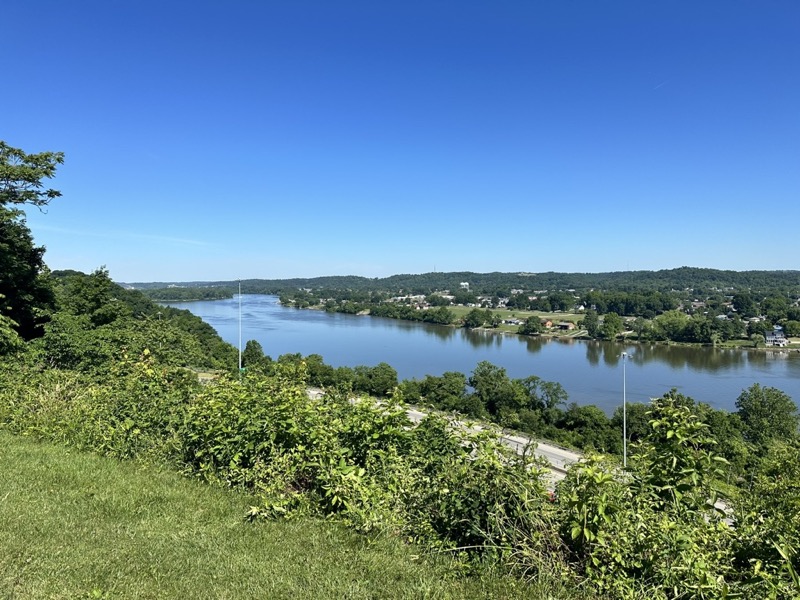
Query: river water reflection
[590,371]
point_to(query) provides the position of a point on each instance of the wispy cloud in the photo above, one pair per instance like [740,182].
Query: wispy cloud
[129,235]
[660,84]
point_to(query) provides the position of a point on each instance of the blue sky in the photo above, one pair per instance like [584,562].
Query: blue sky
[208,140]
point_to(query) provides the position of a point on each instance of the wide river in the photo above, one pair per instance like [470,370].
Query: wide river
[591,372]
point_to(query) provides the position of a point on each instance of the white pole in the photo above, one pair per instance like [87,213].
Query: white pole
[240,328]
[624,416]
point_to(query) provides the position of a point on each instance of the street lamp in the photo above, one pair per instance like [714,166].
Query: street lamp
[240,328]
[624,416]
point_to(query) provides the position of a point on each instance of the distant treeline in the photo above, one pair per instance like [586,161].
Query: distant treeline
[699,280]
[186,294]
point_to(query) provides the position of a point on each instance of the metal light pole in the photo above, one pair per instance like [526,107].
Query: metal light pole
[624,416]
[240,328]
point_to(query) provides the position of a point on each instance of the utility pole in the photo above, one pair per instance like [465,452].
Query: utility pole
[240,329]
[624,415]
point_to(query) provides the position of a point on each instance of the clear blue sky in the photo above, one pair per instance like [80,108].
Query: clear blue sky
[213,140]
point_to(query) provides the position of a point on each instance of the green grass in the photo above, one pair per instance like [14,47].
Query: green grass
[76,525]
[557,317]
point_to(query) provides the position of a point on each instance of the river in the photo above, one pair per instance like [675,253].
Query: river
[590,371]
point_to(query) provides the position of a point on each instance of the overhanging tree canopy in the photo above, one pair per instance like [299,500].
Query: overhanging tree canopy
[26,294]
[21,176]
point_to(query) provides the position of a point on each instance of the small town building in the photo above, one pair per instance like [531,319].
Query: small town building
[776,337]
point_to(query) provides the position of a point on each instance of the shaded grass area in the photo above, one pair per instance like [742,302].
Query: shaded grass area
[75,525]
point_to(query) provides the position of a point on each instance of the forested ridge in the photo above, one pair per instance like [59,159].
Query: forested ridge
[96,367]
[700,280]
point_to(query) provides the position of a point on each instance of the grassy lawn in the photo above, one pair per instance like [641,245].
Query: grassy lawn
[75,525]
[504,313]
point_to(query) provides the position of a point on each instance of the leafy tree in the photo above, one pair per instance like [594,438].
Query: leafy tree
[253,355]
[446,392]
[767,414]
[591,323]
[440,316]
[477,317]
[437,300]
[27,298]
[464,297]
[494,388]
[518,301]
[726,428]
[638,422]
[758,328]
[542,395]
[94,295]
[641,327]
[379,380]
[591,427]
[531,326]
[698,329]
[791,328]
[383,379]
[611,326]
[562,301]
[670,325]
[21,176]
[744,304]
[775,307]
[319,373]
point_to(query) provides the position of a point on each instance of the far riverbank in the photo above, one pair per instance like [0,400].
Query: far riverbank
[590,371]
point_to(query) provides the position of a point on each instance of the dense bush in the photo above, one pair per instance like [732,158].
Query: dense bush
[651,531]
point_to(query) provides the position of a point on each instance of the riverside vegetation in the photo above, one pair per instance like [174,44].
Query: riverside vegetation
[685,305]
[98,369]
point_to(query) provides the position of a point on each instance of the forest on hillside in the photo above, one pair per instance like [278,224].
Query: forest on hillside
[699,280]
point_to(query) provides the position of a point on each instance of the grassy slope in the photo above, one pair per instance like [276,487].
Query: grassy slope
[75,525]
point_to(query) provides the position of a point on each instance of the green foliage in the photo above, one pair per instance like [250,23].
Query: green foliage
[99,321]
[768,524]
[611,326]
[653,531]
[133,414]
[379,380]
[253,356]
[186,294]
[359,460]
[72,342]
[670,325]
[21,176]
[648,532]
[591,323]
[478,318]
[93,296]
[10,342]
[767,414]
[26,298]
[675,462]
[494,389]
[532,326]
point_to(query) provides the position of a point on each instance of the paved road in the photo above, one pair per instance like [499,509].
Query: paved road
[559,458]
